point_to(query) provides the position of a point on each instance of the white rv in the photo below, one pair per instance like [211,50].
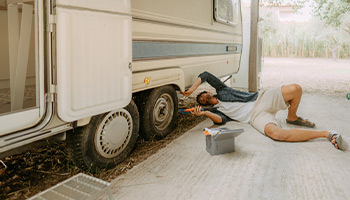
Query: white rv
[99,72]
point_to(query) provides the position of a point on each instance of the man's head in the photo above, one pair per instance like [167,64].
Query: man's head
[205,99]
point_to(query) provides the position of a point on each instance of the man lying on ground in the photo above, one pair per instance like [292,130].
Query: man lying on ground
[259,110]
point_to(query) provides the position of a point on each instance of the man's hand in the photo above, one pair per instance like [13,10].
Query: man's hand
[193,87]
[214,117]
[198,111]
[186,93]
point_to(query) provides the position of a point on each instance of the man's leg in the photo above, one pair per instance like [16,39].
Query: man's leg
[294,135]
[292,94]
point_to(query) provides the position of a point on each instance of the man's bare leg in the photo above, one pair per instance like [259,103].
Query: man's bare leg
[292,94]
[294,135]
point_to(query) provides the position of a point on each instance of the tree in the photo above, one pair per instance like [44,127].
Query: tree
[333,12]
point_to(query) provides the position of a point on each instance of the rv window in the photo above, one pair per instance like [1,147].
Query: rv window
[226,11]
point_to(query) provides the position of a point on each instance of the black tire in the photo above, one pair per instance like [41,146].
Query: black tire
[95,146]
[158,112]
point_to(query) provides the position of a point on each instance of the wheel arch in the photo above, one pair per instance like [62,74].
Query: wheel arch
[146,80]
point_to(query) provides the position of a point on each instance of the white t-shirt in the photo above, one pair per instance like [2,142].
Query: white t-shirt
[236,110]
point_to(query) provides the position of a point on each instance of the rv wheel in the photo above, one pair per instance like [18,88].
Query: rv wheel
[107,140]
[158,112]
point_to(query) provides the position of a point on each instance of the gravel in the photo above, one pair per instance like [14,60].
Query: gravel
[316,76]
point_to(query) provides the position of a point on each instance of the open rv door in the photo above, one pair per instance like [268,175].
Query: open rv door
[93,57]
[22,65]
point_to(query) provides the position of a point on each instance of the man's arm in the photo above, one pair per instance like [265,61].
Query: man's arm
[205,77]
[214,117]
[193,87]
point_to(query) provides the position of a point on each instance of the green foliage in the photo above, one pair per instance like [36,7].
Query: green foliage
[332,12]
[325,35]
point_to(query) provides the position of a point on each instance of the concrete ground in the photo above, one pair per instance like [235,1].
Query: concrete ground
[260,168]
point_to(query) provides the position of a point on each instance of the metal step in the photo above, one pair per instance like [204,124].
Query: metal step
[78,187]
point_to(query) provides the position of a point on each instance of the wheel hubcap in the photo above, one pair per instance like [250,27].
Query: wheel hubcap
[163,111]
[113,133]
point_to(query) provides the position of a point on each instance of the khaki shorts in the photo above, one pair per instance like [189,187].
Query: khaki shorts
[265,108]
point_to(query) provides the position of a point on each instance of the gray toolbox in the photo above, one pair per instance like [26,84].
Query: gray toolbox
[223,141]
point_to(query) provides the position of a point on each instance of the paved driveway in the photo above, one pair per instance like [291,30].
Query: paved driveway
[260,168]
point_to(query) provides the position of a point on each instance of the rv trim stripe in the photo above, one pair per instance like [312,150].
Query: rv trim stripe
[146,50]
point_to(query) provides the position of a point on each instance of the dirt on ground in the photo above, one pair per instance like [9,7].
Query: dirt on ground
[39,169]
[316,76]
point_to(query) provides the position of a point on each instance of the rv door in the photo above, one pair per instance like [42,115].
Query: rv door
[21,65]
[93,57]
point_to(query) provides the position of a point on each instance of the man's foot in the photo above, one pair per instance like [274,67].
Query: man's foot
[337,140]
[301,122]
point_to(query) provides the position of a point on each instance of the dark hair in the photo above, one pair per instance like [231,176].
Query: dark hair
[204,92]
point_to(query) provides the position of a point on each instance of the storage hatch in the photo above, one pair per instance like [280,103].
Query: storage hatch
[93,57]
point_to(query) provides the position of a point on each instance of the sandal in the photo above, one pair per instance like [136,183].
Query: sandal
[300,122]
[338,140]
